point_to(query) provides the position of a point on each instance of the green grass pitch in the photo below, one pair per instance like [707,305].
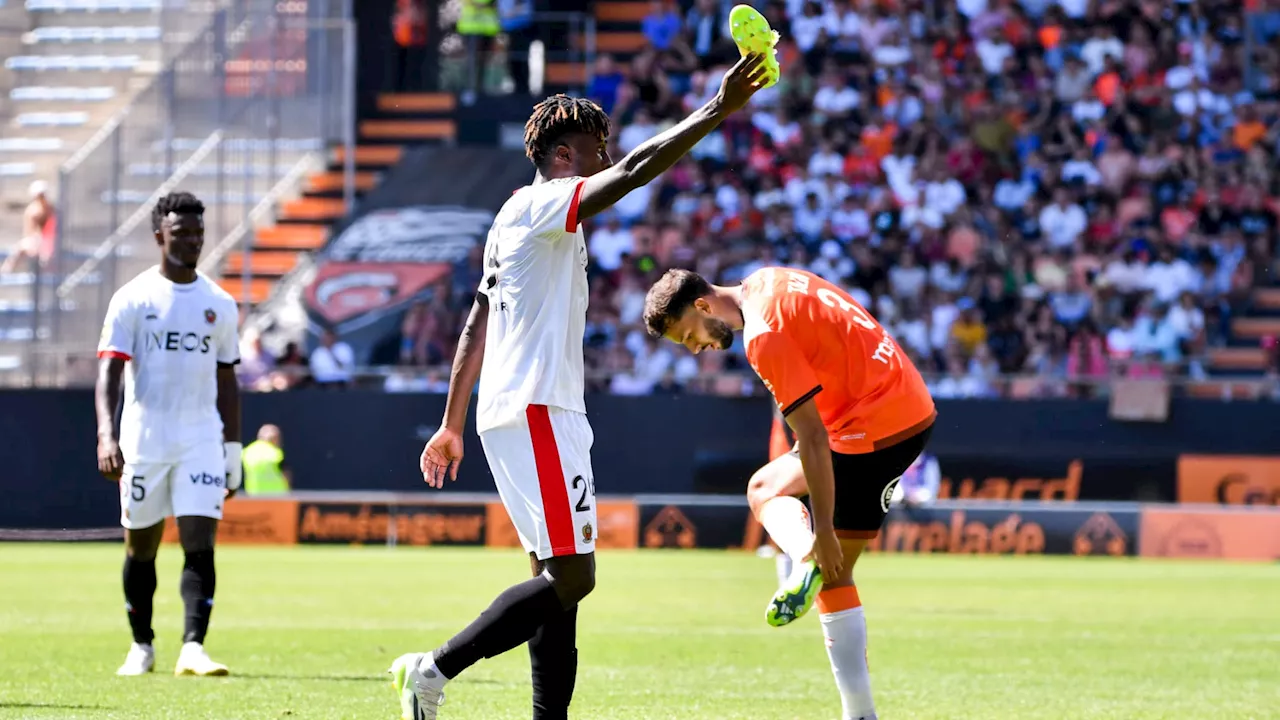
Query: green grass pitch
[308,633]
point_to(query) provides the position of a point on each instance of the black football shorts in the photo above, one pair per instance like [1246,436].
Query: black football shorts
[865,483]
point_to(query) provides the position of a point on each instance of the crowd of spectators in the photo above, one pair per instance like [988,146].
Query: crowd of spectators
[1066,189]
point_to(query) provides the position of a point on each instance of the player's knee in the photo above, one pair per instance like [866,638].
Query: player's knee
[140,554]
[573,581]
[762,488]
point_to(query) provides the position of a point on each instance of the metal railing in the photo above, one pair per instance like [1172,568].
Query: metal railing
[235,111]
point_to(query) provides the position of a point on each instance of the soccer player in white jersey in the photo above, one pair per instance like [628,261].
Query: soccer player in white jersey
[523,340]
[170,333]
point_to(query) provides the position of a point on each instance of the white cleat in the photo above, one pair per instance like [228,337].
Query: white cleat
[193,660]
[419,686]
[140,660]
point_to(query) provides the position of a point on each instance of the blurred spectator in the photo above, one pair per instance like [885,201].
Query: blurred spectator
[264,470]
[332,363]
[39,223]
[408,54]
[256,364]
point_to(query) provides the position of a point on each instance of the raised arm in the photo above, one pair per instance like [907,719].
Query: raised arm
[658,154]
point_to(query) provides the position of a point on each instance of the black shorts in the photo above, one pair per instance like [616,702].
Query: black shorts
[865,483]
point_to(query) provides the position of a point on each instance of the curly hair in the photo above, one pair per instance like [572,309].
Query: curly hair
[669,298]
[557,116]
[183,203]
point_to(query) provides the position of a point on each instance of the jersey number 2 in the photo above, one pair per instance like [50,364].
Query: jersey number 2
[587,489]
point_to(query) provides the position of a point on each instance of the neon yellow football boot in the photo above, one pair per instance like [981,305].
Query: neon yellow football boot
[752,34]
[796,596]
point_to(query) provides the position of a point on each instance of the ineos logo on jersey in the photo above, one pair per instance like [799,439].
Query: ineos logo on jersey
[179,342]
[207,479]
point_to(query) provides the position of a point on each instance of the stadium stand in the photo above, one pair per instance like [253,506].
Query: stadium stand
[302,225]
[112,101]
[1063,192]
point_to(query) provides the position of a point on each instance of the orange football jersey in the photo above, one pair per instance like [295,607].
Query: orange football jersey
[807,338]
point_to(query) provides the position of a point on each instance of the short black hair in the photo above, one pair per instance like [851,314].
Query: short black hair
[183,203]
[557,116]
[669,298]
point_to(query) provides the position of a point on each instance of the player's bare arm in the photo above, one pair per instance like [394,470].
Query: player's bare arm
[106,398]
[229,409]
[815,458]
[444,449]
[657,155]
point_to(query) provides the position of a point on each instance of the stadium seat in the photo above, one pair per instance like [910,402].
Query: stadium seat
[75,63]
[42,93]
[409,130]
[620,43]
[94,5]
[1267,299]
[52,119]
[263,263]
[1255,328]
[371,155]
[416,103]
[333,182]
[17,169]
[621,11]
[259,288]
[30,145]
[308,209]
[1237,359]
[291,237]
[566,73]
[121,34]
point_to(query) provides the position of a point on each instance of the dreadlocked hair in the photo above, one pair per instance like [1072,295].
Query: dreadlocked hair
[558,116]
[183,203]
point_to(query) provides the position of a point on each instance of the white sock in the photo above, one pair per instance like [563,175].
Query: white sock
[787,521]
[784,568]
[431,673]
[844,628]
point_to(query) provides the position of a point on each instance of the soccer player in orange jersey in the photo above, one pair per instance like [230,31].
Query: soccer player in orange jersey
[861,415]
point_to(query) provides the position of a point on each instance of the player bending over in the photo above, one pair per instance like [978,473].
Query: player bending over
[523,340]
[179,447]
[861,414]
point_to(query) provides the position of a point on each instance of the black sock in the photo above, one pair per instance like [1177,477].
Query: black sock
[512,619]
[553,658]
[139,591]
[198,581]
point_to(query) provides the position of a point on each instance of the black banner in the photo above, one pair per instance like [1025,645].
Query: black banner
[1045,477]
[1009,530]
[693,526]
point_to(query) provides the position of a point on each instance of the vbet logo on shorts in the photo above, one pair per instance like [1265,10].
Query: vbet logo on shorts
[207,479]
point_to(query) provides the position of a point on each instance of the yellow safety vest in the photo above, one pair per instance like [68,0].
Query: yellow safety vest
[262,473]
[479,17]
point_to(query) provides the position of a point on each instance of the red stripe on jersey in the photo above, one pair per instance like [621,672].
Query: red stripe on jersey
[571,220]
[555,497]
[114,355]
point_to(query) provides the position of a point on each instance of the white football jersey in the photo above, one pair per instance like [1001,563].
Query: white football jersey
[173,337]
[536,280]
